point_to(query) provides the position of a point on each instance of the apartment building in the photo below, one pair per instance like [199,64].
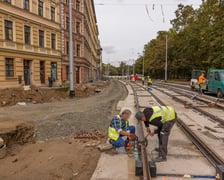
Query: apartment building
[87,50]
[30,42]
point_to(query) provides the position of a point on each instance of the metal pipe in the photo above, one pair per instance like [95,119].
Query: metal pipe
[71,52]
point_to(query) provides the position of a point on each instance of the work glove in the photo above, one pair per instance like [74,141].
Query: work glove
[132,136]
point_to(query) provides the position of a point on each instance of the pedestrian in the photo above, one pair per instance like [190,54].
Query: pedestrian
[201,81]
[149,81]
[163,117]
[143,80]
[120,132]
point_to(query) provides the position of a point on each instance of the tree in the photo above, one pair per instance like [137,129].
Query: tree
[196,41]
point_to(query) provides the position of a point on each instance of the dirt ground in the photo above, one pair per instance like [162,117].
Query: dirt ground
[56,153]
[12,96]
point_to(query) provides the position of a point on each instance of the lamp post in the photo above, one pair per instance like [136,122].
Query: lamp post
[143,65]
[133,67]
[166,63]
[71,52]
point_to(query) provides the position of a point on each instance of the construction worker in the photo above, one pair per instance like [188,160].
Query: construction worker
[201,81]
[163,117]
[149,81]
[143,80]
[120,132]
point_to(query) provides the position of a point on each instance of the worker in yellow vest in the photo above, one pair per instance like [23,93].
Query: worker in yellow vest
[149,80]
[163,117]
[143,80]
[119,131]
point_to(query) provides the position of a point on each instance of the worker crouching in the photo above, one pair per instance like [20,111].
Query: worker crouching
[163,117]
[120,132]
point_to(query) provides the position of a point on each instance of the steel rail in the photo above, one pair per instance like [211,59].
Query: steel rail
[211,116]
[144,157]
[188,93]
[210,155]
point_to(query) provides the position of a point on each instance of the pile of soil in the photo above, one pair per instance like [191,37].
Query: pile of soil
[17,132]
[85,90]
[11,96]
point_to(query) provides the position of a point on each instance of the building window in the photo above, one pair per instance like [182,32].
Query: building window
[8,30]
[26,4]
[9,67]
[78,50]
[77,5]
[52,13]
[67,47]
[27,35]
[41,38]
[78,27]
[40,8]
[67,23]
[53,41]
[8,1]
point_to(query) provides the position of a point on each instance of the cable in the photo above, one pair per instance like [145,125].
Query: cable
[139,4]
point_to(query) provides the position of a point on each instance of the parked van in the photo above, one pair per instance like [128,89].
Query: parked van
[214,83]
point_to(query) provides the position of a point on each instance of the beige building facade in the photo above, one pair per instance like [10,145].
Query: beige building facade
[87,50]
[30,42]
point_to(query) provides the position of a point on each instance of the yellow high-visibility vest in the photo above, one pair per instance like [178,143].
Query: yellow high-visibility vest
[112,132]
[149,80]
[167,113]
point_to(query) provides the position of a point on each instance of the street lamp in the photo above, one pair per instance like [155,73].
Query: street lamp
[143,64]
[133,67]
[166,64]
[166,56]
[71,52]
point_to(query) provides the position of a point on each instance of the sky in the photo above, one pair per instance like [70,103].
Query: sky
[125,26]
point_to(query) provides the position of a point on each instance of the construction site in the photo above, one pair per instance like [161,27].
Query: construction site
[111,90]
[60,139]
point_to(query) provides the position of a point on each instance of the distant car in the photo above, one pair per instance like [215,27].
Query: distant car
[133,78]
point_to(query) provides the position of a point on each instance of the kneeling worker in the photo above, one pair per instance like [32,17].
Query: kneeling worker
[163,117]
[119,130]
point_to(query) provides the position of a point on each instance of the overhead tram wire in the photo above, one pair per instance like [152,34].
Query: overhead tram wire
[143,4]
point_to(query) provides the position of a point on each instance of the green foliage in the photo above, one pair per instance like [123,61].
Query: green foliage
[196,41]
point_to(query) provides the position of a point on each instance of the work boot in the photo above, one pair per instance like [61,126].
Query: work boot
[160,159]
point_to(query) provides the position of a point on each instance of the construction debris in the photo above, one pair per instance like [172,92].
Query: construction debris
[96,135]
[91,139]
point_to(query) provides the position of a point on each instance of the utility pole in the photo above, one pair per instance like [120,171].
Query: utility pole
[166,57]
[133,67]
[71,52]
[128,70]
[143,65]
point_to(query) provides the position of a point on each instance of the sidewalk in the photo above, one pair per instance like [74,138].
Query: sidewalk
[118,166]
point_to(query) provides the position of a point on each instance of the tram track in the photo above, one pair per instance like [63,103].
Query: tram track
[213,157]
[186,91]
[144,156]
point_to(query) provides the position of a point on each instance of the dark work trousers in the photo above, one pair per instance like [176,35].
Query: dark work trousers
[164,137]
